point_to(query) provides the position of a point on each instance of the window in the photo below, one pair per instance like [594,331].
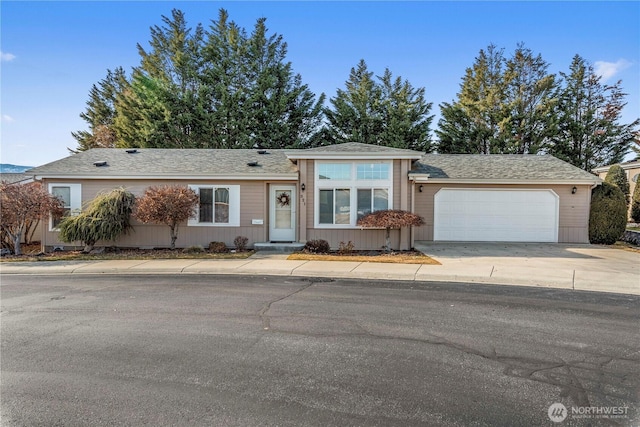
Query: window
[335,206]
[335,171]
[371,200]
[368,171]
[70,194]
[219,205]
[347,191]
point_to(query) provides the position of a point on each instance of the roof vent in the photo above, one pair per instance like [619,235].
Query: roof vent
[132,150]
[252,164]
[100,163]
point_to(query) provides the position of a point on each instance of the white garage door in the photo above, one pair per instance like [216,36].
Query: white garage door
[490,215]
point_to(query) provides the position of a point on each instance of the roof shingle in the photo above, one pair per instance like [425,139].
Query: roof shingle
[527,167]
[170,162]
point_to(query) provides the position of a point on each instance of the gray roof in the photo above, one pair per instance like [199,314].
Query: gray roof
[210,163]
[354,149]
[12,178]
[169,162]
[497,167]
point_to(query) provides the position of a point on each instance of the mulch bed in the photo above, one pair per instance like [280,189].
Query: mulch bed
[32,253]
[400,257]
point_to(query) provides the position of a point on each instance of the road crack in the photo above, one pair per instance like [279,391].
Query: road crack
[263,313]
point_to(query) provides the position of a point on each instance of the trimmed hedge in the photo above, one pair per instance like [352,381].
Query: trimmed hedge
[608,215]
[618,177]
[635,203]
[318,246]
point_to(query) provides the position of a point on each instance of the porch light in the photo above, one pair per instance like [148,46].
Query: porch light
[302,186]
[420,189]
[574,190]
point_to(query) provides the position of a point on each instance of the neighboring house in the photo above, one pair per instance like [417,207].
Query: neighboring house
[319,193]
[632,169]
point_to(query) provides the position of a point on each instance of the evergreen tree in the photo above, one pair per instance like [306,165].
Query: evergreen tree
[355,116]
[382,111]
[100,112]
[212,89]
[617,176]
[530,102]
[505,105]
[224,64]
[282,110]
[405,114]
[589,133]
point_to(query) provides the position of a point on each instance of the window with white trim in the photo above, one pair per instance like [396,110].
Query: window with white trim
[71,197]
[219,205]
[348,190]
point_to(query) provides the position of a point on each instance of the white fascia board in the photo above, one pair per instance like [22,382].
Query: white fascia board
[427,180]
[352,156]
[624,166]
[287,177]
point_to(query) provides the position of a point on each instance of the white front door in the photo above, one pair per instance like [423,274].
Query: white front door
[282,217]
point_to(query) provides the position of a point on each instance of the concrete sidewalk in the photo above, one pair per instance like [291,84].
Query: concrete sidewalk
[579,267]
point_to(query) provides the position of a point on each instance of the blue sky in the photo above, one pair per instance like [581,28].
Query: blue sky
[52,52]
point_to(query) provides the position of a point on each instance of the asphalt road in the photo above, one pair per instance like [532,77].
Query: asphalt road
[253,351]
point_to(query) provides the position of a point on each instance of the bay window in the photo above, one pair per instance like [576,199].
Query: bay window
[347,191]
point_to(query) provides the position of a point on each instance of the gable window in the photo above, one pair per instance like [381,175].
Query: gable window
[348,190]
[219,205]
[71,197]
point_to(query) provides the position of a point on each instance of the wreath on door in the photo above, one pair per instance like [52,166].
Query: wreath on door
[283,199]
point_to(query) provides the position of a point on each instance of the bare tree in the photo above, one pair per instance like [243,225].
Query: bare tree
[170,205]
[389,219]
[22,204]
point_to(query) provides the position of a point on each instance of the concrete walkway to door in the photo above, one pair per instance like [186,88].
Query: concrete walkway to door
[572,266]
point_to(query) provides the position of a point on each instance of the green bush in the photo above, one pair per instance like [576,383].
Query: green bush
[618,177]
[106,218]
[608,216]
[218,247]
[318,246]
[241,243]
[635,203]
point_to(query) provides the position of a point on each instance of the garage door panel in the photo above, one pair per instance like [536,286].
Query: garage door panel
[496,215]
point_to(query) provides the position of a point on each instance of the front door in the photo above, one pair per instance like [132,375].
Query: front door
[282,221]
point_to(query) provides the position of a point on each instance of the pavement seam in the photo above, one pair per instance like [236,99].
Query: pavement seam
[295,268]
[492,268]
[573,281]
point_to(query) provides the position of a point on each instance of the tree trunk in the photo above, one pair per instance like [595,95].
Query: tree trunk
[174,235]
[387,240]
[17,250]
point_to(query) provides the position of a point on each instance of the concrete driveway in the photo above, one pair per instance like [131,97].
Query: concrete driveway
[583,267]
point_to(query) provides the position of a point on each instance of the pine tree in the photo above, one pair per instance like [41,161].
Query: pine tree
[617,176]
[505,105]
[405,114]
[590,134]
[380,111]
[355,116]
[101,111]
[530,102]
